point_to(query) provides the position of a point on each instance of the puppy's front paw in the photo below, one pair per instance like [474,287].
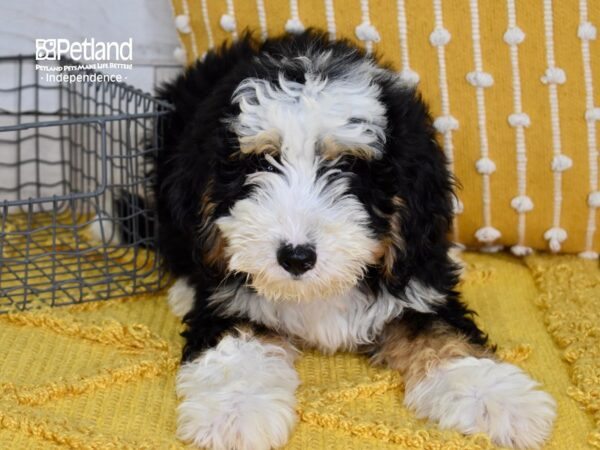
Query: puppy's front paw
[239,395]
[481,395]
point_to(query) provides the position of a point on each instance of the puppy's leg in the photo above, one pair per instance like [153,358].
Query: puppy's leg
[461,385]
[239,394]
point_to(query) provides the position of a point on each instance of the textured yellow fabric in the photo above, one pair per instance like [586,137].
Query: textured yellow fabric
[575,138]
[101,375]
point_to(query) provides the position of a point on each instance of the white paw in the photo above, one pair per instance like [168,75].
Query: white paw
[239,395]
[181,297]
[481,395]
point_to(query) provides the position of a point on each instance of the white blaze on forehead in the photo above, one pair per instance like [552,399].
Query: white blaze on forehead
[346,109]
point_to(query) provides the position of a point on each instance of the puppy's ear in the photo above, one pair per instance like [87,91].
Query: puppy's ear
[184,187]
[179,191]
[212,242]
[420,196]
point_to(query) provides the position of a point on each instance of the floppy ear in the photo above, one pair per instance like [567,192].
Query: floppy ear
[195,139]
[179,195]
[419,197]
[185,185]
[187,192]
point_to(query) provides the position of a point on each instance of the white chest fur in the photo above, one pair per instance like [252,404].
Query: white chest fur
[340,323]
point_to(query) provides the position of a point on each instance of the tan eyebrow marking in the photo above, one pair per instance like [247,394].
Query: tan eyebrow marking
[330,150]
[265,142]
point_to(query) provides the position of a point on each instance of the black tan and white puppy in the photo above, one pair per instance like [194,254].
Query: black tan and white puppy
[304,202]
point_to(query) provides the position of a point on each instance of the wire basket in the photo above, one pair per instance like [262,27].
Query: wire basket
[75,225]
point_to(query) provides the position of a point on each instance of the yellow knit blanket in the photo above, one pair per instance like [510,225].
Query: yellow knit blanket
[101,375]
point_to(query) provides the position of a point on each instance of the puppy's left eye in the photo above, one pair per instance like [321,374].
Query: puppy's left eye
[265,164]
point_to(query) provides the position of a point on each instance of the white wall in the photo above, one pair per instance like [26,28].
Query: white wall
[148,22]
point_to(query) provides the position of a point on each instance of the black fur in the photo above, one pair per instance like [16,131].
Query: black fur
[136,220]
[196,164]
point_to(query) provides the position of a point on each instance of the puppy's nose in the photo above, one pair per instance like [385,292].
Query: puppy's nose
[296,259]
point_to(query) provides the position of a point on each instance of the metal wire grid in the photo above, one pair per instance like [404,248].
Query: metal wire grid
[73,160]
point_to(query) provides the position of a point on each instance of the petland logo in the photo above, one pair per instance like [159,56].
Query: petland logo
[82,61]
[87,50]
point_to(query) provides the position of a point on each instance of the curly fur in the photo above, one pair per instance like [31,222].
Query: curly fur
[302,142]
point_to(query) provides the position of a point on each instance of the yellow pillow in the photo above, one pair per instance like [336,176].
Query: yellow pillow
[510,84]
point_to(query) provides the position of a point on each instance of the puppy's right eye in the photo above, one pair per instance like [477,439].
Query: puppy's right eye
[268,164]
[268,149]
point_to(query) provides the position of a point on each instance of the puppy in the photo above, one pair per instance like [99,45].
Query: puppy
[303,201]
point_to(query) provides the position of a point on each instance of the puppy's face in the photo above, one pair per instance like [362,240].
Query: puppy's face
[300,232]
